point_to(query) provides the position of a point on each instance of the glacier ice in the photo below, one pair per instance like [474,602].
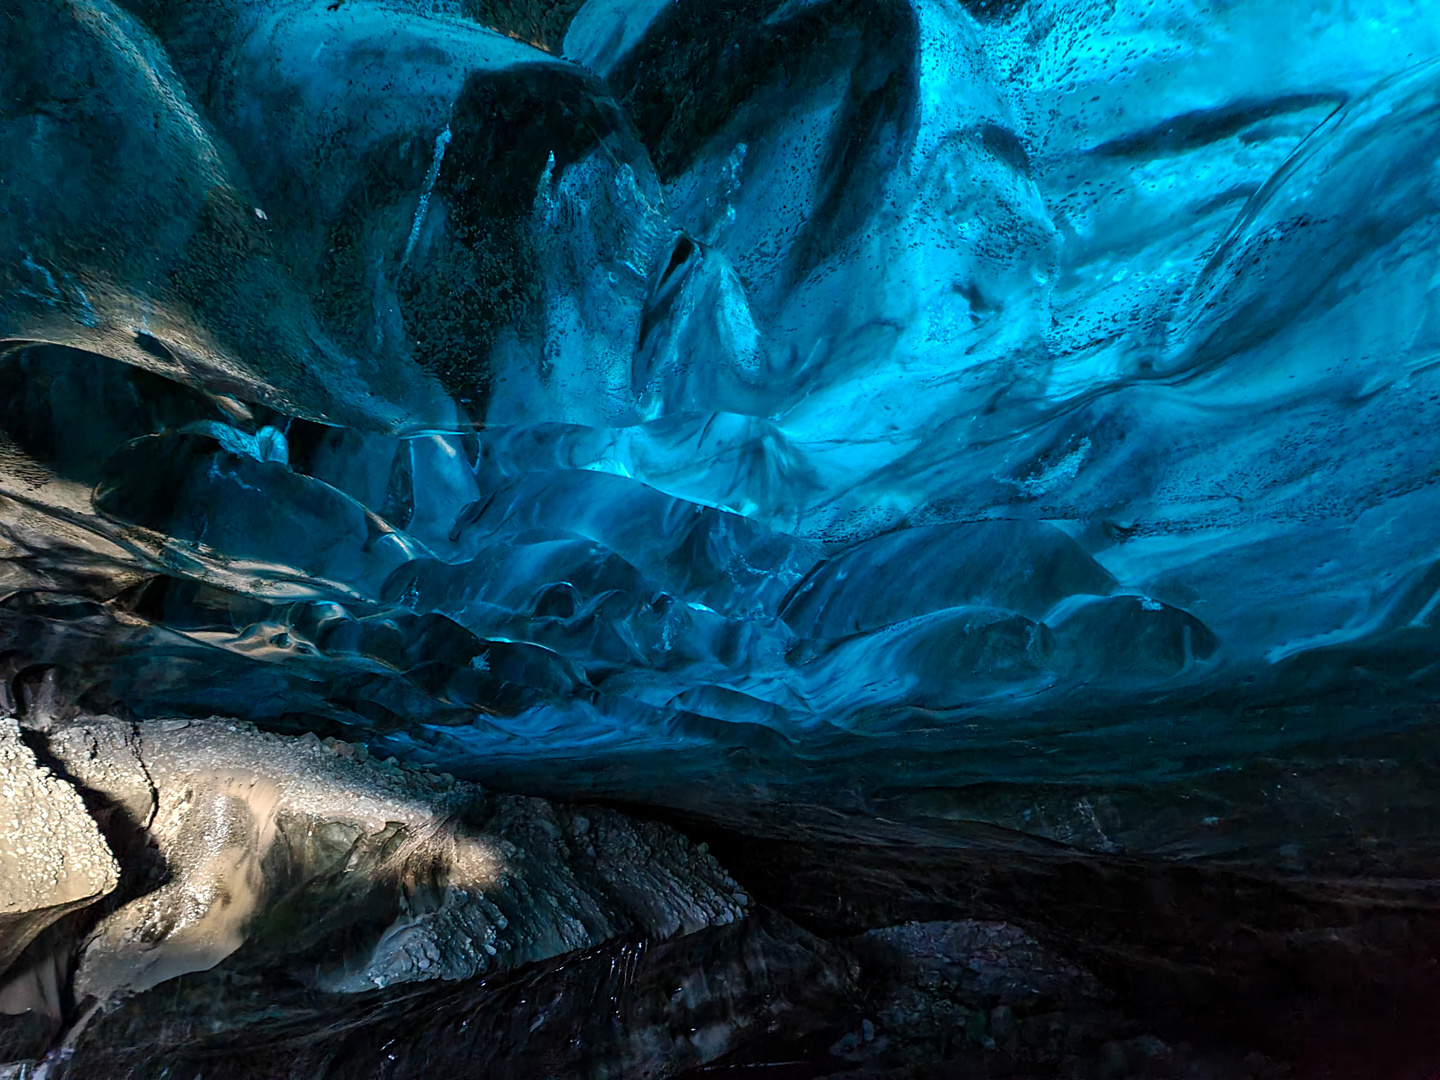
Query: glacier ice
[902,392]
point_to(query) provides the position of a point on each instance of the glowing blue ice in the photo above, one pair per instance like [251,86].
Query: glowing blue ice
[977,377]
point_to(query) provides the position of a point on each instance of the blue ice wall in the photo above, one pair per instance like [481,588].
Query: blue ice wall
[1037,391]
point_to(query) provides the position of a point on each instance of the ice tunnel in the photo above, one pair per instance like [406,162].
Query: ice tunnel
[719,538]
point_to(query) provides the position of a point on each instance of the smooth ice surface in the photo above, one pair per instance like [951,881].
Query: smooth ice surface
[1038,391]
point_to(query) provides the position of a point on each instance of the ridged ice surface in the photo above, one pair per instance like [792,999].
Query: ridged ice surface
[1048,385]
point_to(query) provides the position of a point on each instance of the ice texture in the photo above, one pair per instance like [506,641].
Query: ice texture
[1036,391]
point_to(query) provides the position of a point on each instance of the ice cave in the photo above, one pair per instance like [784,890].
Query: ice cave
[719,539]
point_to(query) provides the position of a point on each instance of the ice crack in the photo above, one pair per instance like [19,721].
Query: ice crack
[441,142]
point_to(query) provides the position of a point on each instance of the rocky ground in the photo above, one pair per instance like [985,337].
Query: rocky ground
[195,897]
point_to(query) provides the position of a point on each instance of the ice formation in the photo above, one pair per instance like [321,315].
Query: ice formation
[897,366]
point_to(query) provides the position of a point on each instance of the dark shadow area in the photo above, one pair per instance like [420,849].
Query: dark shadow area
[1336,978]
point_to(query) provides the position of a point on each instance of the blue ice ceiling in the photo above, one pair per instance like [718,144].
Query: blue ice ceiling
[1047,386]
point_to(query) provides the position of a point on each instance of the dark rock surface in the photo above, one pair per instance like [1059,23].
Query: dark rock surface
[53,861]
[291,907]
[52,857]
[304,872]
[626,1009]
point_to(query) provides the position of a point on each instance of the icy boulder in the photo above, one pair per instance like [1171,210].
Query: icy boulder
[53,859]
[396,876]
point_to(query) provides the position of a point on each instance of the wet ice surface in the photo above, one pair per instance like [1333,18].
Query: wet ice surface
[895,393]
